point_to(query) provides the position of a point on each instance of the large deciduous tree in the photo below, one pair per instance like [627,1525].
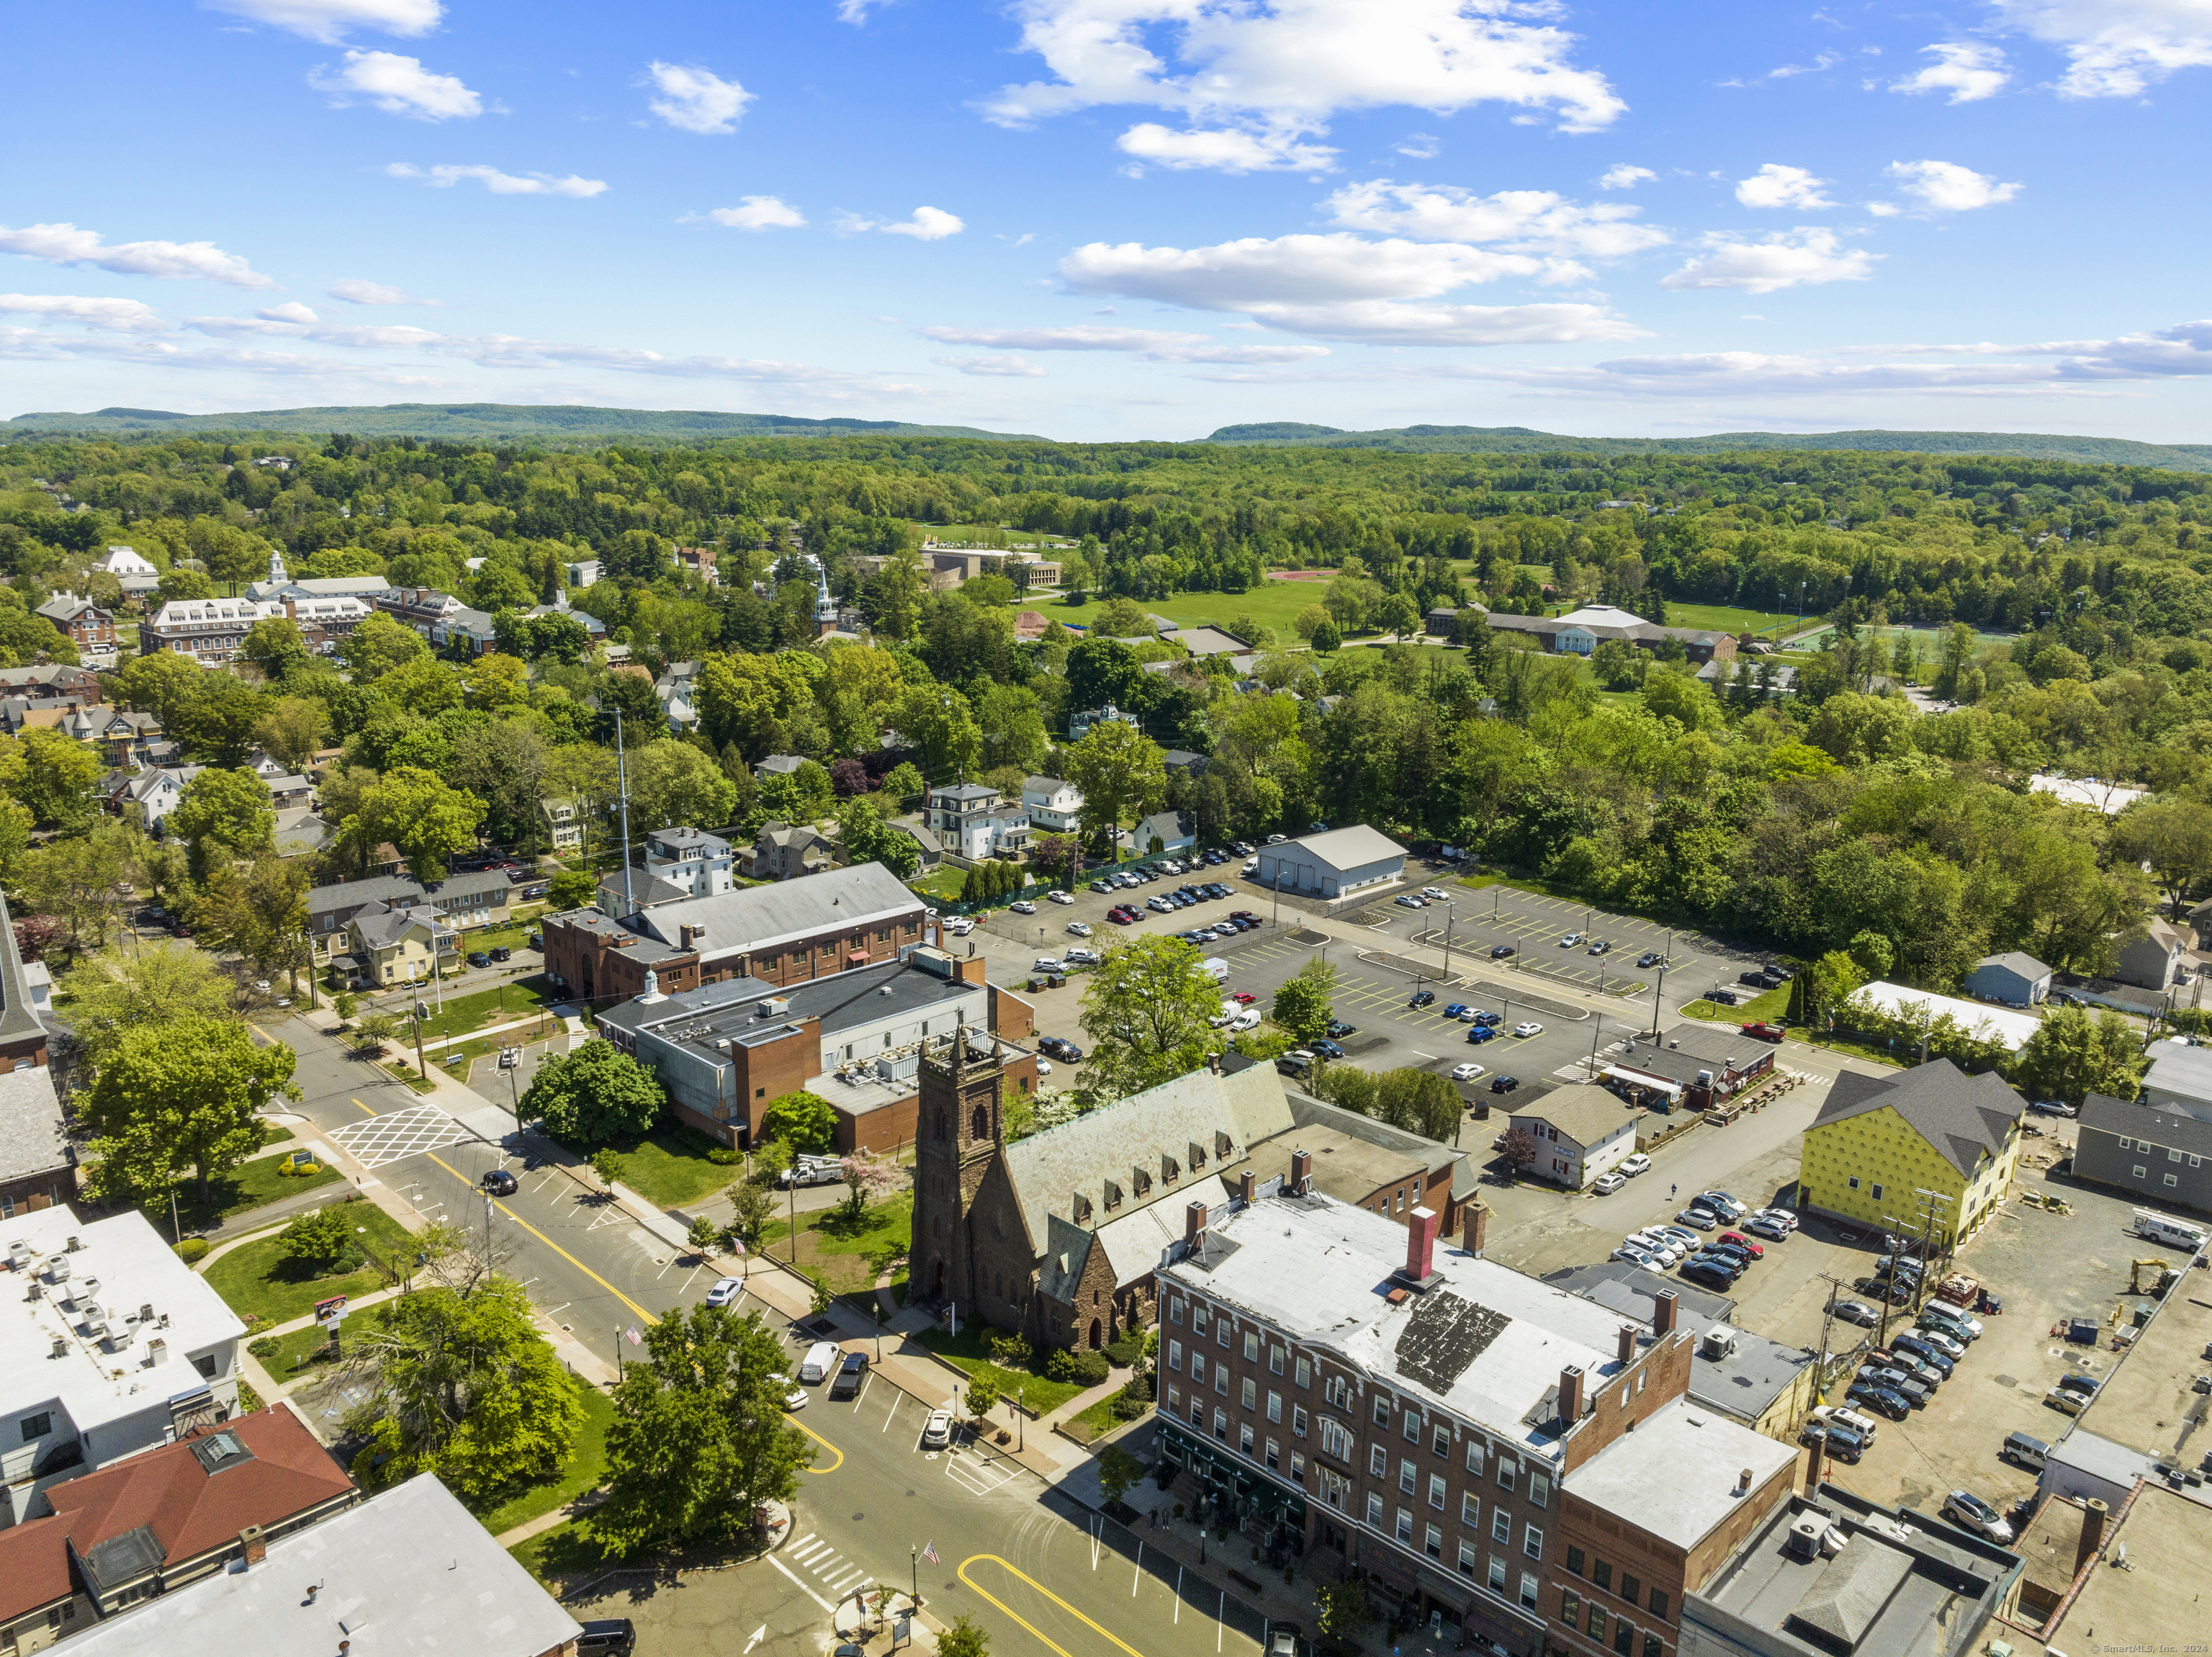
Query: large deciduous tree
[1122,772]
[223,816]
[1146,1010]
[414,811]
[672,784]
[1302,1004]
[594,1095]
[140,986]
[699,1438]
[462,1385]
[2074,1052]
[180,1098]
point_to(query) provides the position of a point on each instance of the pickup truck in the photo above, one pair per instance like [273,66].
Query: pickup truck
[1765,1032]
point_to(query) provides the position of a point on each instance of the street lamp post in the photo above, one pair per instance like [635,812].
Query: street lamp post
[1451,915]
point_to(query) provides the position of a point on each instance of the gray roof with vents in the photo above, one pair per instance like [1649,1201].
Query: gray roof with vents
[1964,1118]
[768,917]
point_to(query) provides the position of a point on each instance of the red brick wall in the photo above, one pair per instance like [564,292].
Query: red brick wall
[767,1071]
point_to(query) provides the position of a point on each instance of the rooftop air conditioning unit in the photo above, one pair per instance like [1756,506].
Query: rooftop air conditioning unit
[1805,1534]
[60,1347]
[59,1268]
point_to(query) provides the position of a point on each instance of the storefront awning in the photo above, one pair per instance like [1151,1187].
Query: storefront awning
[1638,1079]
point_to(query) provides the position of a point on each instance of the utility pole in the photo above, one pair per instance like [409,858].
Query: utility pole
[1658,990]
[1595,1031]
[1451,914]
[486,1228]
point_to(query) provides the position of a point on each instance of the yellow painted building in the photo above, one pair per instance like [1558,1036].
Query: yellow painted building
[1881,1142]
[393,947]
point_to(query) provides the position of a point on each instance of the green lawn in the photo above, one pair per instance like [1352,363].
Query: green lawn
[585,1469]
[1271,604]
[1735,620]
[966,1353]
[564,1550]
[255,1282]
[669,1168]
[839,1252]
[245,1187]
[1768,1004]
[518,998]
[943,881]
[273,1133]
[296,1353]
[1098,1421]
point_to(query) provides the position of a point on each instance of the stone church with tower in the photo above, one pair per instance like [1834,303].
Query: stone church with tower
[1057,1236]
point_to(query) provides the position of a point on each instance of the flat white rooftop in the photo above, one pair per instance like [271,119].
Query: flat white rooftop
[120,1272]
[1676,1476]
[407,1570]
[1485,1342]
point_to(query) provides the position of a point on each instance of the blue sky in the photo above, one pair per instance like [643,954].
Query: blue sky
[1100,219]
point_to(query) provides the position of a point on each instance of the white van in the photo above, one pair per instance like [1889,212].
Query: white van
[1218,968]
[2175,1234]
[820,1361]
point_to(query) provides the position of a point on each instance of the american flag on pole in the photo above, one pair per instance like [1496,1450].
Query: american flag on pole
[633,1337]
[929,1553]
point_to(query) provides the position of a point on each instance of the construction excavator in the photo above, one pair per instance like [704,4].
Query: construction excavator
[2163,1272]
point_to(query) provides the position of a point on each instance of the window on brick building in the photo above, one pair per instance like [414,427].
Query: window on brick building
[1275,1406]
[1404,1529]
[1475,1458]
[1251,1347]
[1275,1360]
[1382,1412]
[1659,1604]
[1570,1607]
[1467,1562]
[1221,1425]
[1432,1542]
[1197,1370]
[1378,1463]
[1501,1525]
[1406,1476]
[1375,1510]
[1413,1428]
[1436,1492]
[1540,1488]
[1299,1420]
[1496,1574]
[1247,1394]
[1651,1646]
[1602,1574]
[1631,1589]
[1244,1438]
[1221,1378]
[1304,1372]
[1624,1639]
[1470,1510]
[1532,1543]
[1597,1624]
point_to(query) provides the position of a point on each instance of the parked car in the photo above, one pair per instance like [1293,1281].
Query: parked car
[1244,998]
[1503,1084]
[1633,1164]
[850,1374]
[1950,1346]
[725,1290]
[1608,1183]
[1760,1225]
[812,1171]
[607,1636]
[2085,1385]
[1925,1352]
[1721,1203]
[1458,1009]
[1529,1027]
[1850,1420]
[1700,1219]
[1782,1218]
[498,1183]
[476,958]
[1570,940]
[2066,1401]
[1102,886]
[1634,1253]
[1061,1048]
[1716,1278]
[1976,1515]
[1481,1033]
[1246,1020]
[1649,957]
[1466,1072]
[1340,1029]
[1408,900]
[1765,1032]
[1881,1399]
[1744,1243]
[936,1431]
[1327,1049]
[2053,1107]
[1059,897]
[1837,1443]
[1022,906]
[1600,947]
[1422,998]
[1502,951]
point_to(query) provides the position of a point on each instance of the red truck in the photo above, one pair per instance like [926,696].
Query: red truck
[1765,1032]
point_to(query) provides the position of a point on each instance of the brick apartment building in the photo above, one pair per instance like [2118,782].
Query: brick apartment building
[85,623]
[1476,1445]
[787,933]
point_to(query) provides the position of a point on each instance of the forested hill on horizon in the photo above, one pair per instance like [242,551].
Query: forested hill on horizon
[1523,439]
[575,424]
[494,421]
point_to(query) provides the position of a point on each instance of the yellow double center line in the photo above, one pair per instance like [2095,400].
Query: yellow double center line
[1014,1570]
[607,1286]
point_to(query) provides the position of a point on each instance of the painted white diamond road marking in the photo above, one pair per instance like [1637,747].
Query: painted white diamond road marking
[397,1134]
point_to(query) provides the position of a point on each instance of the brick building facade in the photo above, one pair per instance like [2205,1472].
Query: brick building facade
[788,934]
[1422,1426]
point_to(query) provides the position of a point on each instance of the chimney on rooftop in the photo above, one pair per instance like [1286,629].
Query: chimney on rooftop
[1812,1467]
[1421,1244]
[1193,1223]
[1248,1186]
[254,1544]
[1627,1352]
[1477,1229]
[1301,1172]
[1664,1307]
[2093,1514]
[1743,1483]
[1571,1394]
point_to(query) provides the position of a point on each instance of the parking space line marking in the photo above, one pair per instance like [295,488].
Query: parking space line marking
[865,1385]
[1014,1570]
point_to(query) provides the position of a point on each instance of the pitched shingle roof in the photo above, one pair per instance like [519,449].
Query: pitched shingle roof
[2168,1130]
[32,1138]
[1963,1117]
[2013,961]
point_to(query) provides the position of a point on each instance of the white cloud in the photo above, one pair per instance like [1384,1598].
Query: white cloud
[1966,70]
[928,224]
[1776,185]
[1622,176]
[1884,209]
[1421,146]
[398,86]
[696,100]
[275,325]
[174,261]
[1341,287]
[1227,149]
[1947,187]
[108,315]
[1280,73]
[329,21]
[290,311]
[1534,221]
[2182,352]
[2117,48]
[355,291]
[855,12]
[1796,259]
[499,183]
[758,213]
[1154,345]
[1002,368]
